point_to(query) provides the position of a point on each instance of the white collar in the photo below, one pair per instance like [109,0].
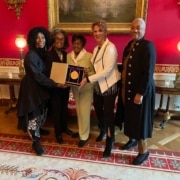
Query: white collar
[79,57]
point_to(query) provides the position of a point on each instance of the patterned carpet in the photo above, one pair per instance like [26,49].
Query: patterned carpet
[18,160]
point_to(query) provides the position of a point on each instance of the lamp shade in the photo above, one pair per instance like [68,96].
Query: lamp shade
[178,46]
[20,41]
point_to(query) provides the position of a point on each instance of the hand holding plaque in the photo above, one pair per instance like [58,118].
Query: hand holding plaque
[66,74]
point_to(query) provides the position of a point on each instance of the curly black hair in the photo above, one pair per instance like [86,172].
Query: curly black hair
[32,36]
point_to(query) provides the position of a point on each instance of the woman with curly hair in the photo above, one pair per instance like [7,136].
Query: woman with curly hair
[33,94]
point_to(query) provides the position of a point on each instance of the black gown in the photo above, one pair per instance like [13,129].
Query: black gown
[33,93]
[138,119]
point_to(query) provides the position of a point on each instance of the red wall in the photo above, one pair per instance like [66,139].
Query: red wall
[163,28]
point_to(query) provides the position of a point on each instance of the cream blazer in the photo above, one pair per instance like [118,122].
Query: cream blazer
[83,60]
[105,65]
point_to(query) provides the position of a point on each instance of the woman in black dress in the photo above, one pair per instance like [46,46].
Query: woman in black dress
[33,94]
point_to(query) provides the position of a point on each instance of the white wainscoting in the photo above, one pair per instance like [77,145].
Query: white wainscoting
[160,80]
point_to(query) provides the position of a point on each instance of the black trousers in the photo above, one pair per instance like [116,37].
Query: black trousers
[104,108]
[59,109]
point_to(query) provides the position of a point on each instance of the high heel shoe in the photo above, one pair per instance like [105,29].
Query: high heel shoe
[108,148]
[44,132]
[81,143]
[36,146]
[59,139]
[100,137]
[71,133]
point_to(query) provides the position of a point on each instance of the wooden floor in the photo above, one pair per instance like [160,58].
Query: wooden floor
[165,139]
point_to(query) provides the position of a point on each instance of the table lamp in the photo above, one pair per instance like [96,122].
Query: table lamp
[178,46]
[21,43]
[177,81]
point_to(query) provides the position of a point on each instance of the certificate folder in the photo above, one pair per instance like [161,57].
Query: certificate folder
[58,72]
[66,74]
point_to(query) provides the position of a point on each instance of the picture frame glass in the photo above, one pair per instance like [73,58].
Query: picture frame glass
[78,15]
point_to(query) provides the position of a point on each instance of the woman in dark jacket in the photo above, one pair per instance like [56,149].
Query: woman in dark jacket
[59,96]
[136,98]
[33,94]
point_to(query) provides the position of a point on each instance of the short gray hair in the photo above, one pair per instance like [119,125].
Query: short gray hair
[61,31]
[141,20]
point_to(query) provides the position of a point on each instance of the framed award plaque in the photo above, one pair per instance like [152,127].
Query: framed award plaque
[66,74]
[74,75]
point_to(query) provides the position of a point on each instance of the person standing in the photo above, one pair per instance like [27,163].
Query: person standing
[33,93]
[59,96]
[84,96]
[106,80]
[136,99]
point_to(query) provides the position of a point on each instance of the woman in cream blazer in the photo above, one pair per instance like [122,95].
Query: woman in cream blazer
[106,78]
[84,96]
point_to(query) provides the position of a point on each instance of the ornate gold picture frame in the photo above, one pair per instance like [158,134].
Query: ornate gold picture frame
[78,15]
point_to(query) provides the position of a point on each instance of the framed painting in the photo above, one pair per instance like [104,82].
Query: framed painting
[78,15]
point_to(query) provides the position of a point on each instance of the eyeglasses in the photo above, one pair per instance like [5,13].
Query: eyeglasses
[58,39]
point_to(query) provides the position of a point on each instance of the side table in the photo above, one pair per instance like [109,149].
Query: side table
[10,79]
[169,91]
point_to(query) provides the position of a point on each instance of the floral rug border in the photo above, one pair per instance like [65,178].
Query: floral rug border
[159,159]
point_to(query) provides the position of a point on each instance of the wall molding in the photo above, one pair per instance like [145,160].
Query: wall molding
[160,68]
[162,73]
[9,62]
[167,68]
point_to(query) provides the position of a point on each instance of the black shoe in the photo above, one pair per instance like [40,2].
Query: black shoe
[68,131]
[75,135]
[59,139]
[81,143]
[129,144]
[140,158]
[119,124]
[37,148]
[100,137]
[108,148]
[44,132]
